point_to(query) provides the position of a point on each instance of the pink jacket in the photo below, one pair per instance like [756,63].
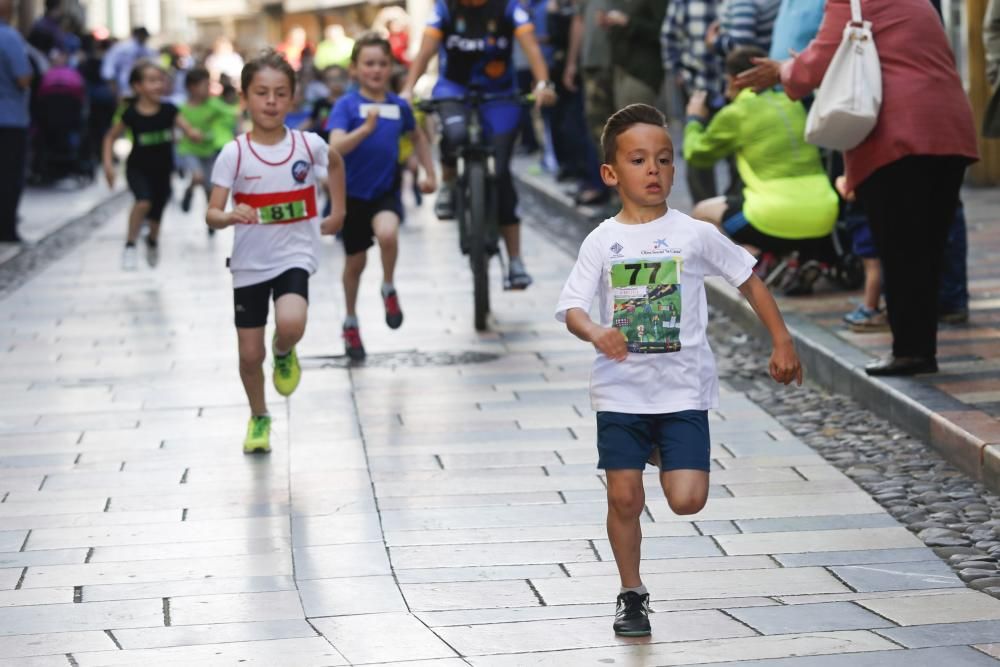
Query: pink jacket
[924,108]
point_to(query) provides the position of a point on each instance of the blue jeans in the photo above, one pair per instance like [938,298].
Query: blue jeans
[953,294]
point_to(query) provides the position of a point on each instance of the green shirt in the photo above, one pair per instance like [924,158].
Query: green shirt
[203,117]
[225,123]
[787,193]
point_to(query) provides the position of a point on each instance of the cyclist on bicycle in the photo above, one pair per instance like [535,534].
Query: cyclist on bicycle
[475,38]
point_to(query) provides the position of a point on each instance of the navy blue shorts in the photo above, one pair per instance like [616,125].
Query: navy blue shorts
[625,441]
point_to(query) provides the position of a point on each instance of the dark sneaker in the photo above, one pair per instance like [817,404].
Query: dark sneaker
[632,615]
[393,313]
[352,344]
[444,207]
[186,200]
[960,316]
[518,278]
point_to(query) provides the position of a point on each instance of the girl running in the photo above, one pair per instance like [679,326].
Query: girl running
[270,172]
[151,161]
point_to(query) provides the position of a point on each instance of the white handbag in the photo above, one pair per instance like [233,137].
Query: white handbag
[848,100]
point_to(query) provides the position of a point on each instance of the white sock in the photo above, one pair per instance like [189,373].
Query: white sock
[641,590]
[387,289]
[351,321]
[517,263]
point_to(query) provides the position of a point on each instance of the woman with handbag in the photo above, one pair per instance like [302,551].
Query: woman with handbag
[908,169]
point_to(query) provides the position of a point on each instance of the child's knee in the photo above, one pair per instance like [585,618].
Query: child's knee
[386,238]
[143,206]
[687,503]
[251,356]
[290,326]
[627,501]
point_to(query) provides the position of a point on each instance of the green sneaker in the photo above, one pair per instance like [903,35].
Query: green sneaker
[258,435]
[287,372]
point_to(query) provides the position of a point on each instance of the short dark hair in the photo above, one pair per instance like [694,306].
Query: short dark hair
[370,39]
[195,76]
[268,59]
[741,59]
[139,70]
[622,120]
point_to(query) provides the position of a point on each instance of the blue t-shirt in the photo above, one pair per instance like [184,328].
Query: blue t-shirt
[371,166]
[477,41]
[13,65]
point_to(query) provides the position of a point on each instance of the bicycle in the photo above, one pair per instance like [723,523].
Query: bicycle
[476,191]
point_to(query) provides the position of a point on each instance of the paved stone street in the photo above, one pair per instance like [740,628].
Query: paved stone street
[438,506]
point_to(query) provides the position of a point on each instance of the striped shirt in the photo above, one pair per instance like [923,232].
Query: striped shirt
[682,39]
[747,23]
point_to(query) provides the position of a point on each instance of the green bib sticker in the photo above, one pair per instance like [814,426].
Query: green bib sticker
[647,303]
[278,213]
[155,137]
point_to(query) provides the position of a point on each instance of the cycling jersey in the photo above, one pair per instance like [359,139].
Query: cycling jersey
[477,39]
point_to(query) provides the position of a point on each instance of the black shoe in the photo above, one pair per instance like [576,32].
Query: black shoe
[444,207]
[186,200]
[632,615]
[393,313]
[895,366]
[960,316]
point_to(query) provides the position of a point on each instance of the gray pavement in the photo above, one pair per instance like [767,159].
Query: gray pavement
[419,510]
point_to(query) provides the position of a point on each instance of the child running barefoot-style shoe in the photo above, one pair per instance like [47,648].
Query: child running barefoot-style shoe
[352,343]
[258,435]
[864,320]
[287,371]
[632,615]
[393,313]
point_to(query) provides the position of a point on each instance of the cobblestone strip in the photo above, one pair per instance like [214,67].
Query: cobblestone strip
[956,516]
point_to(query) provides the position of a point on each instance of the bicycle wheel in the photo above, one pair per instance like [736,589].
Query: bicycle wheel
[478,255]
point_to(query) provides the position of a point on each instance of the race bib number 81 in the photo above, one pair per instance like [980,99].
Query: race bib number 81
[287,212]
[647,303]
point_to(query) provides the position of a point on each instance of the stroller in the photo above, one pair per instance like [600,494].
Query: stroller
[59,129]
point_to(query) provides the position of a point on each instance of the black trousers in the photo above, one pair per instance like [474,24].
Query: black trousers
[911,205]
[12,169]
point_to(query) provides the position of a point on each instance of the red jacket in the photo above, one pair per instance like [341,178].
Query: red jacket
[924,107]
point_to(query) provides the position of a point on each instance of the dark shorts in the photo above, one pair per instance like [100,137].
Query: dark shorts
[149,186]
[625,441]
[358,232]
[251,302]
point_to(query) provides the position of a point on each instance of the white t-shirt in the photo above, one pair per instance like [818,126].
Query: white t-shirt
[649,283]
[280,181]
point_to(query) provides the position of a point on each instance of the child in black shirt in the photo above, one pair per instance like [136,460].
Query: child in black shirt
[151,161]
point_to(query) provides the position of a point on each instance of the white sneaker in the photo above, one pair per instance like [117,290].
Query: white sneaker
[130,258]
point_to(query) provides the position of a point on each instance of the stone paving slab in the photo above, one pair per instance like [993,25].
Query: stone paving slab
[428,515]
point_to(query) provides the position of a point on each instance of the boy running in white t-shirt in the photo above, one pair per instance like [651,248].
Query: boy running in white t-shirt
[652,385]
[270,172]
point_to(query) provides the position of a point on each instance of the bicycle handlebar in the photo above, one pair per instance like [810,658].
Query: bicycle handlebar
[474,99]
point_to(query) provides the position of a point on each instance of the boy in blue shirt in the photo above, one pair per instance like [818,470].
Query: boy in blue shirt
[365,127]
[654,377]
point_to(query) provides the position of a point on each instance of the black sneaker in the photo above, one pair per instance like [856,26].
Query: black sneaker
[352,344]
[632,615]
[186,200]
[393,313]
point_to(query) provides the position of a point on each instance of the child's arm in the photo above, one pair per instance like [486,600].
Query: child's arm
[337,187]
[192,133]
[609,342]
[422,148]
[218,218]
[344,142]
[784,366]
[107,153]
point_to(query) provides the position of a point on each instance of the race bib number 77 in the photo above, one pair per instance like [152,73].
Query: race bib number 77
[647,303]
